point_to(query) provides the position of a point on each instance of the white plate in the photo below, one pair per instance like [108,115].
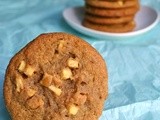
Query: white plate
[145,19]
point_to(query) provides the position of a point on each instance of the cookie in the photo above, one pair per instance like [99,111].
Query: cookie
[111,12]
[55,77]
[111,4]
[118,28]
[108,20]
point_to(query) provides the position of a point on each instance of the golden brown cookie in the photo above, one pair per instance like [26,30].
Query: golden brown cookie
[111,12]
[118,28]
[108,20]
[112,4]
[55,77]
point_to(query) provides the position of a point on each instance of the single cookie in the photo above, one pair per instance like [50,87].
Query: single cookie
[111,12]
[118,28]
[111,4]
[108,20]
[55,77]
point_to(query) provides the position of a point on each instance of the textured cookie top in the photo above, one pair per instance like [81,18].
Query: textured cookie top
[57,76]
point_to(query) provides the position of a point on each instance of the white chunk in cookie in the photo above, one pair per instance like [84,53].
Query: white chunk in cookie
[66,74]
[46,80]
[72,63]
[56,90]
[73,109]
[61,45]
[19,83]
[22,66]
[28,70]
[120,3]
[31,92]
[25,68]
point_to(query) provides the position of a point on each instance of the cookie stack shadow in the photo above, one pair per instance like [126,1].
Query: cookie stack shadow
[110,15]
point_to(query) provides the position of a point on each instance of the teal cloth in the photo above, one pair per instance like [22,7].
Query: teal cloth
[133,64]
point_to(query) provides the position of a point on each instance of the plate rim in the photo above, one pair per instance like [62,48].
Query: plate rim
[108,34]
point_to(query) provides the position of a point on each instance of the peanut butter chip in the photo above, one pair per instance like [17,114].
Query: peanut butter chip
[46,80]
[35,102]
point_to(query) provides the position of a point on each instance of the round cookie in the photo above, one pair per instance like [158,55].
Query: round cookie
[108,20]
[111,4]
[55,77]
[118,28]
[111,12]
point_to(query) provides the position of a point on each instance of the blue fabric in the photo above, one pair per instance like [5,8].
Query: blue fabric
[133,64]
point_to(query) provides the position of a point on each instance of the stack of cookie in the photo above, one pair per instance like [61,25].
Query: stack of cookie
[110,15]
